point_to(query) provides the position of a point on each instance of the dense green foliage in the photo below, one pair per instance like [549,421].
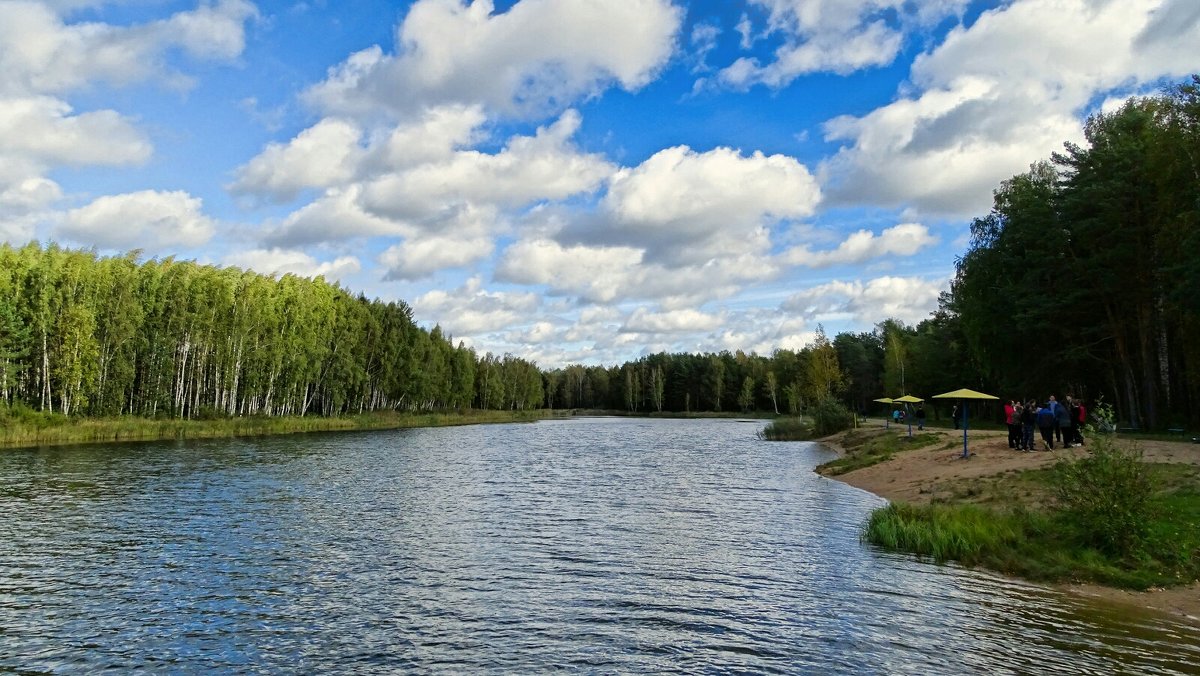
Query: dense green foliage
[830,416]
[83,335]
[1083,276]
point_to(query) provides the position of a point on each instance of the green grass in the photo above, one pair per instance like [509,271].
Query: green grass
[40,429]
[864,450]
[1045,544]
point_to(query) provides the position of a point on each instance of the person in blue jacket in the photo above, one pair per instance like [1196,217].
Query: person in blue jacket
[1045,423]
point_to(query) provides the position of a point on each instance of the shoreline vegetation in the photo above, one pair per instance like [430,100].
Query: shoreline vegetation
[1031,515]
[48,430]
[33,429]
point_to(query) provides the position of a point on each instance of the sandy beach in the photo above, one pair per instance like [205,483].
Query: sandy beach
[939,471]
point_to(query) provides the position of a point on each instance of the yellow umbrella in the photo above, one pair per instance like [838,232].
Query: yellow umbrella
[908,399]
[887,420]
[966,394]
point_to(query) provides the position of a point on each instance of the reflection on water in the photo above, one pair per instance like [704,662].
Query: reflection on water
[593,544]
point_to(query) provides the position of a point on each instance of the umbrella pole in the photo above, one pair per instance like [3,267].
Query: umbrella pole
[908,417]
[965,455]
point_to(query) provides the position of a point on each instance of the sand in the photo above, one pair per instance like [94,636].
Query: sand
[939,470]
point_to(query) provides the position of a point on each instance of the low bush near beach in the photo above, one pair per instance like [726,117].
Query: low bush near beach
[1108,495]
[787,429]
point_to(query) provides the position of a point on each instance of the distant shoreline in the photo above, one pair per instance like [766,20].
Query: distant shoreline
[130,429]
[42,432]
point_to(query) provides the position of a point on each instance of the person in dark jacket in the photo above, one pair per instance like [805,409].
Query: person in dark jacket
[1045,423]
[1028,421]
[1062,424]
[920,416]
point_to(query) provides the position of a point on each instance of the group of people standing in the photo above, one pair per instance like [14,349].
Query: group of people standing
[1057,421]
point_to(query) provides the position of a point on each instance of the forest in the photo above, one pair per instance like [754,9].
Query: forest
[91,336]
[1083,279]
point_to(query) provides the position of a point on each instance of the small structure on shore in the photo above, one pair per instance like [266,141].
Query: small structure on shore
[966,395]
[887,420]
[906,400]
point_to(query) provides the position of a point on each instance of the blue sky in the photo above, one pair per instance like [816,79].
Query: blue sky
[564,180]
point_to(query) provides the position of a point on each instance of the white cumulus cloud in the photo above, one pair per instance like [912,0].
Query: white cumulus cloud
[1002,93]
[41,53]
[685,208]
[540,55]
[671,321]
[322,156]
[545,166]
[861,246]
[276,261]
[146,219]
[909,299]
[599,274]
[420,257]
[838,36]
[472,310]
[44,59]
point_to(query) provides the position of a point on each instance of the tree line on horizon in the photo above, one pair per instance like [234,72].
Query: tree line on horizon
[1081,280]
[86,335]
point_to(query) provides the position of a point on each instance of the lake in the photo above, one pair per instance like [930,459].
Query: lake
[591,544]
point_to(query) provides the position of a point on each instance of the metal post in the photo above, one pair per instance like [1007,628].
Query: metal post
[964,408]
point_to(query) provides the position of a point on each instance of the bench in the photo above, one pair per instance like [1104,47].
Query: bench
[1132,428]
[1175,430]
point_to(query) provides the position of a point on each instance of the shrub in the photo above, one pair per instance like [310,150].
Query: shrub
[830,417]
[786,429]
[1107,495]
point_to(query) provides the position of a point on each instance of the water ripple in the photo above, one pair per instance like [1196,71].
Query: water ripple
[594,545]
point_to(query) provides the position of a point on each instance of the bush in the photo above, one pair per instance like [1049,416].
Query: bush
[830,417]
[1107,495]
[786,429]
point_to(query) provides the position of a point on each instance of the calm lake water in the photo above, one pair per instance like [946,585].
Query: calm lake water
[591,545]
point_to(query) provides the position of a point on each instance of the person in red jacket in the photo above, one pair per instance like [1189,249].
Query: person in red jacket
[1078,419]
[1010,419]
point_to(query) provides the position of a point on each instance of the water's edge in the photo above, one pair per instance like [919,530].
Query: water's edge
[1172,602]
